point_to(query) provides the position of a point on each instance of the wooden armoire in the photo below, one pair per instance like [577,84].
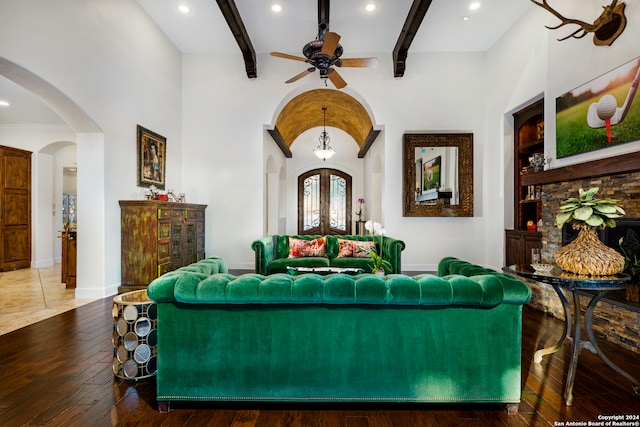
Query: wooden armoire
[157,237]
[15,209]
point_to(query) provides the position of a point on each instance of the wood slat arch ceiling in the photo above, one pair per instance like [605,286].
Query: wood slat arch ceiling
[305,112]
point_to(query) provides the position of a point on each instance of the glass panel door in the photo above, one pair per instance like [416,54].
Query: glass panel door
[324,202]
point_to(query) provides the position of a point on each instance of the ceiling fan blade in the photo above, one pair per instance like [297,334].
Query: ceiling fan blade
[287,56]
[358,62]
[330,43]
[335,78]
[301,75]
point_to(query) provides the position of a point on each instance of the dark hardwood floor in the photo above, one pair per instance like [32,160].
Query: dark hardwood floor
[58,372]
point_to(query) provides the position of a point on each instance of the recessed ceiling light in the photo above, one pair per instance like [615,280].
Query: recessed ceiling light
[184,8]
[474,6]
[4,103]
[276,8]
[465,18]
[370,7]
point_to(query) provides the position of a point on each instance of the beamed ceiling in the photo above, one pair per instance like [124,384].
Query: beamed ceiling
[344,112]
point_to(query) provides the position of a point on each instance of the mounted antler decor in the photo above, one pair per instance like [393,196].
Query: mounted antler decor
[606,28]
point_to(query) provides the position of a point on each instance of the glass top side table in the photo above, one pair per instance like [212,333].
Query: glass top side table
[558,278]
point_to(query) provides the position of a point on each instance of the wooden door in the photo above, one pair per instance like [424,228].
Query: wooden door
[15,209]
[324,202]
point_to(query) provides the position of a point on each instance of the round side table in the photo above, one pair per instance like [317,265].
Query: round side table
[134,336]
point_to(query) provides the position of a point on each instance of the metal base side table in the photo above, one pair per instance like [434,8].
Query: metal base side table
[134,336]
[558,278]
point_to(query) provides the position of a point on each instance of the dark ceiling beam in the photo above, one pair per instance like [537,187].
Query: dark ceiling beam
[416,14]
[373,134]
[323,18]
[231,14]
[280,142]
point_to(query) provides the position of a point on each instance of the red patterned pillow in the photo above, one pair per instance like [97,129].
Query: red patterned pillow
[362,249]
[303,248]
[345,248]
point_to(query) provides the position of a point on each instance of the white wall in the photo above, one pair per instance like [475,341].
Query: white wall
[110,62]
[224,116]
[114,66]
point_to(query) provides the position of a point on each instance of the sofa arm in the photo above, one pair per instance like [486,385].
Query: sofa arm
[391,252]
[264,253]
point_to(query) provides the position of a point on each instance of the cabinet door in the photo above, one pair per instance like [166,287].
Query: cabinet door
[518,245]
[512,243]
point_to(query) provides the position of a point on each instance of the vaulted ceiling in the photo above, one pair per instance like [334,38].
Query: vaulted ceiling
[305,112]
[205,29]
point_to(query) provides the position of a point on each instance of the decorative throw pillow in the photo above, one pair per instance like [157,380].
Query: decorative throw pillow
[345,248]
[362,249]
[304,248]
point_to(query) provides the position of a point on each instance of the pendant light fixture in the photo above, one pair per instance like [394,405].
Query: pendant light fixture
[324,150]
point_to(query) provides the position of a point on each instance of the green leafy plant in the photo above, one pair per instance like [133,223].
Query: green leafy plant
[587,211]
[378,263]
[630,247]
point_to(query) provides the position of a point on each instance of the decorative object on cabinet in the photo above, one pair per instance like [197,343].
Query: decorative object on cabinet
[588,117]
[587,254]
[606,28]
[157,237]
[15,209]
[453,195]
[152,152]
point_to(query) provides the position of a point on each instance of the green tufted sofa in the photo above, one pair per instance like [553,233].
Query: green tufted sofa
[312,338]
[271,254]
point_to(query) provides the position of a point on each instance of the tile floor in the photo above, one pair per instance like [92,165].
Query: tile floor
[33,294]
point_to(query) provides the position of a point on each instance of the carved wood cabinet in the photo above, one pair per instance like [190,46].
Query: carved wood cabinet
[157,237]
[15,209]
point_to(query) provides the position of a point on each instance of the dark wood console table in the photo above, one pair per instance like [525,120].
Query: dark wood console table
[558,279]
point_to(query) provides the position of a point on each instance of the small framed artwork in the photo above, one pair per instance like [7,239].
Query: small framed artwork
[152,152]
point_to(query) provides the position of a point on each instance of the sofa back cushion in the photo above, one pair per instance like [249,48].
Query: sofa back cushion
[307,248]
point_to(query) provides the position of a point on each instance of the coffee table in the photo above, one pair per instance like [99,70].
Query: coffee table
[294,271]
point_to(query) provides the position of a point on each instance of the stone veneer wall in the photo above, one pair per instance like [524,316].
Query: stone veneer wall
[611,322]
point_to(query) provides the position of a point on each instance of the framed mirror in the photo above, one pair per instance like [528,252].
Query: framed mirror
[438,174]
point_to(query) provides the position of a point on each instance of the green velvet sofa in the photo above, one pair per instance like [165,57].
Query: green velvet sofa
[339,338]
[272,253]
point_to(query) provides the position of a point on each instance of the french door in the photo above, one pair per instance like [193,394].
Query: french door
[324,202]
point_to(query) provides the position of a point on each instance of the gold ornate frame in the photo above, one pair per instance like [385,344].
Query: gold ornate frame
[464,142]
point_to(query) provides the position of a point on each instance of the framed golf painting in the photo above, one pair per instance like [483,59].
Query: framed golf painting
[152,149]
[601,113]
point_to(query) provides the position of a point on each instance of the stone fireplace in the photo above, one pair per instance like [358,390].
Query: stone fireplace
[614,319]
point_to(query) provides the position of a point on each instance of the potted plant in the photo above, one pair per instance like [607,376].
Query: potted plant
[379,266]
[587,254]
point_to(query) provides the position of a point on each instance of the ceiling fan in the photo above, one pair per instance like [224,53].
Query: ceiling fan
[325,52]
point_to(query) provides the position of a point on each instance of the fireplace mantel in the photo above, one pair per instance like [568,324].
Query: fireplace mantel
[609,166]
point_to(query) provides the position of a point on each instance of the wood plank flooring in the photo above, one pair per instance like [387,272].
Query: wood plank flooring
[57,372]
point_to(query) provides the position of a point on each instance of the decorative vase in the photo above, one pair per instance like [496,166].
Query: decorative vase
[588,255]
[379,273]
